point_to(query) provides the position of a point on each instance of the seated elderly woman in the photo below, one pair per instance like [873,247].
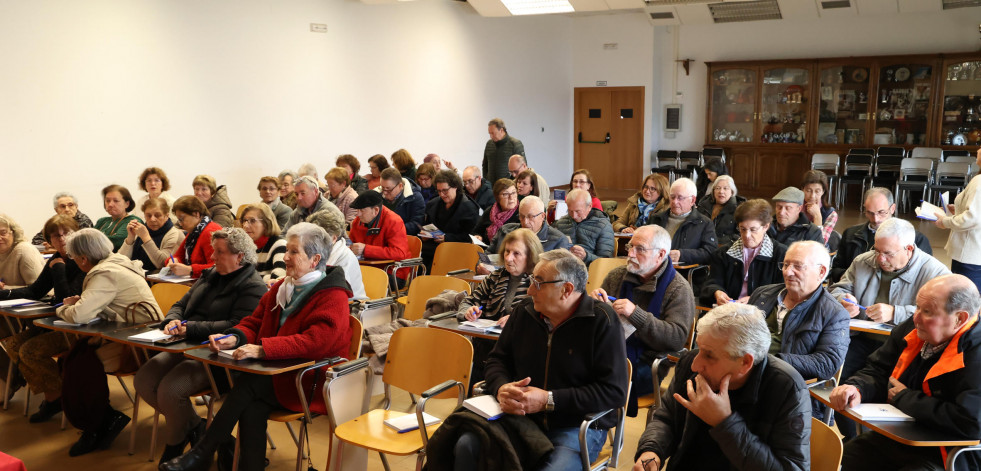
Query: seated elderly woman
[424,178]
[720,206]
[340,254]
[64,203]
[751,261]
[20,262]
[376,164]
[159,238]
[118,203]
[286,193]
[304,316]
[352,166]
[63,275]
[215,198]
[527,183]
[497,295]
[269,194]
[115,290]
[452,213]
[258,222]
[340,193]
[504,211]
[194,253]
[651,199]
[219,300]
[154,181]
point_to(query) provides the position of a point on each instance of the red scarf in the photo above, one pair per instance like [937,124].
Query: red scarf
[498,218]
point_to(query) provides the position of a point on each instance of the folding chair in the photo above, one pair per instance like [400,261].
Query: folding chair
[947,154]
[652,400]
[375,281]
[427,287]
[914,174]
[166,294]
[829,164]
[455,256]
[716,152]
[689,161]
[599,269]
[826,447]
[885,172]
[961,159]
[933,153]
[429,363]
[948,176]
[410,267]
[857,170]
[609,456]
[665,162]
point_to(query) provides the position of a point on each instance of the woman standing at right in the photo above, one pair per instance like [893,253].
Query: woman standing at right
[964,243]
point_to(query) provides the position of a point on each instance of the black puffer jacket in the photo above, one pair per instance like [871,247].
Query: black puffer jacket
[216,303]
[695,239]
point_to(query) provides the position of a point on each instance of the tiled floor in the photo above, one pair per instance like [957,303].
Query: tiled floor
[45,446]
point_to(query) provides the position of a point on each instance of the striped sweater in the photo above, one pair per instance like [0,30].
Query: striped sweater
[492,295]
[270,264]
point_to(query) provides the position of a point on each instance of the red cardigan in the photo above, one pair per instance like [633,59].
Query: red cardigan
[201,253]
[318,329]
[389,244]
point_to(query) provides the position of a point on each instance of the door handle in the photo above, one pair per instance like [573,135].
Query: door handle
[606,141]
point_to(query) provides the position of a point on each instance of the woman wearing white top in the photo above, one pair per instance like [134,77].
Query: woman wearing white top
[340,254]
[964,243]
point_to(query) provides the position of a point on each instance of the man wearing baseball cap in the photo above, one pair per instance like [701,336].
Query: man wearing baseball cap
[377,232]
[789,224]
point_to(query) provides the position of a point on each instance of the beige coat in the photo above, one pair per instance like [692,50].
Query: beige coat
[629,216]
[159,255]
[22,265]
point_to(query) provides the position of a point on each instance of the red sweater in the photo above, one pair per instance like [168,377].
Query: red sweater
[317,330]
[201,253]
[390,243]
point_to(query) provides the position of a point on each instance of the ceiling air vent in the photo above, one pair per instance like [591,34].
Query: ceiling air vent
[832,4]
[732,12]
[662,15]
[951,4]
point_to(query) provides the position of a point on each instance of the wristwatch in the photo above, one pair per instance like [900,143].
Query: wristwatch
[550,403]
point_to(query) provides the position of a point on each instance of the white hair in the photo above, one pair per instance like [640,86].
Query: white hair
[532,200]
[578,194]
[475,169]
[742,326]
[62,194]
[732,184]
[817,251]
[90,243]
[308,169]
[898,228]
[308,181]
[685,183]
[660,239]
[313,240]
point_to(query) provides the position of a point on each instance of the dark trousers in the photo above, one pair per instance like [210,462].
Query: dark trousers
[871,452]
[971,271]
[248,404]
[859,349]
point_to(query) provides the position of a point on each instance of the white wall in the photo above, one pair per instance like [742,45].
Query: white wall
[950,31]
[94,91]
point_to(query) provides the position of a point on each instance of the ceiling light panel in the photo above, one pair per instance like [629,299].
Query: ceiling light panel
[537,7]
[732,12]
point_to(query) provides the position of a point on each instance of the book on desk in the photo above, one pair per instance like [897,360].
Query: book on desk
[879,412]
[483,326]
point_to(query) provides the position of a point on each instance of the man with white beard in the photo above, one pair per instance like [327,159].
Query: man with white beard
[649,295]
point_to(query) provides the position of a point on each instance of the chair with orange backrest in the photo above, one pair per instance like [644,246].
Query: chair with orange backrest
[826,447]
[427,287]
[409,268]
[166,294]
[599,269]
[451,256]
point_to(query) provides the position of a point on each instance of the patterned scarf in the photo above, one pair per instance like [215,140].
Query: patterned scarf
[645,211]
[192,238]
[498,218]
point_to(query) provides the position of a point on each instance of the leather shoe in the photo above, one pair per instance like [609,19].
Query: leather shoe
[46,411]
[111,429]
[87,443]
[193,460]
[172,451]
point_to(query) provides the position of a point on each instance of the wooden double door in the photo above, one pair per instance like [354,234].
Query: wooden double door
[609,138]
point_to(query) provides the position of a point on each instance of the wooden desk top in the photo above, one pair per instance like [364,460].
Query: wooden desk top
[122,336]
[907,433]
[453,325]
[33,312]
[871,330]
[469,276]
[92,330]
[375,263]
[259,367]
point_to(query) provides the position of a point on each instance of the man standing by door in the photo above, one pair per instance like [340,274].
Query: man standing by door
[500,147]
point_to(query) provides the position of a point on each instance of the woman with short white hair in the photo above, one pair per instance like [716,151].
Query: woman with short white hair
[20,262]
[340,254]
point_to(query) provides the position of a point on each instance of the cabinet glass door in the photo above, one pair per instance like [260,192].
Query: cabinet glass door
[903,104]
[733,105]
[961,122]
[784,95]
[844,105]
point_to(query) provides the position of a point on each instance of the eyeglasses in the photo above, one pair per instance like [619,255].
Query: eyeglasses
[444,191]
[649,188]
[4,233]
[538,282]
[879,253]
[750,230]
[250,221]
[269,188]
[470,181]
[793,265]
[640,249]
[509,194]
[529,217]
[580,182]
[679,197]
[881,213]
[388,190]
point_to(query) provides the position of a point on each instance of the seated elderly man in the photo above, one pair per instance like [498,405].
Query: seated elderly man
[588,229]
[928,368]
[477,189]
[879,207]
[881,285]
[531,214]
[649,295]
[65,203]
[377,232]
[308,201]
[692,233]
[730,405]
[519,163]
[404,198]
[789,223]
[809,329]
[590,374]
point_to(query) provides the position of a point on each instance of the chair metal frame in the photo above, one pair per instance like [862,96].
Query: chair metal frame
[914,174]
[855,163]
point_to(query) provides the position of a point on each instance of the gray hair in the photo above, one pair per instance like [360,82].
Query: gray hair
[331,221]
[497,123]
[61,194]
[660,239]
[14,227]
[898,228]
[742,326]
[89,243]
[532,200]
[732,184]
[568,267]
[816,250]
[689,186]
[519,158]
[578,194]
[963,296]
[878,190]
[287,173]
[238,242]
[308,181]
[475,169]
[307,170]
[313,240]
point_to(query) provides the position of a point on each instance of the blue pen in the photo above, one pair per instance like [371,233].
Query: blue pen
[58,305]
[853,302]
[174,327]
[216,339]
[611,298]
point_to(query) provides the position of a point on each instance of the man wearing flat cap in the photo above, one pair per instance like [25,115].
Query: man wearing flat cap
[377,232]
[789,224]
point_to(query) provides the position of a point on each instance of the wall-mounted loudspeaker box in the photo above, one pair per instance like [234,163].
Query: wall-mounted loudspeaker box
[672,118]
